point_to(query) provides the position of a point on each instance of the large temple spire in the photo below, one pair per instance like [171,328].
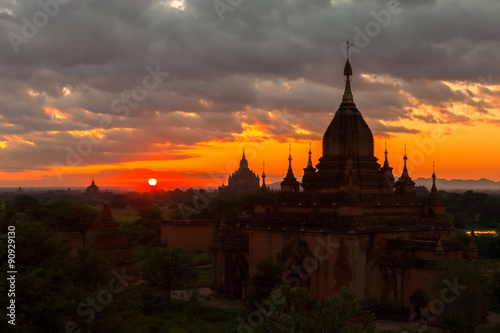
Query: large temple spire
[348,98]
[243,162]
[347,131]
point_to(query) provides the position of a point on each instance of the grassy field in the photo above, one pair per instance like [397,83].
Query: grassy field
[125,215]
[205,276]
[139,310]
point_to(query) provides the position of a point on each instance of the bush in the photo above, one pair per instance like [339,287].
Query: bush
[292,311]
[202,259]
[495,292]
[459,220]
[267,276]
[469,296]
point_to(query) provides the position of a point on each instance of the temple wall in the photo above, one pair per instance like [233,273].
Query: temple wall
[414,279]
[335,261]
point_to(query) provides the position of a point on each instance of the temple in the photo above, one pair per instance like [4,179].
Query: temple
[242,180]
[348,223]
[110,240]
[93,189]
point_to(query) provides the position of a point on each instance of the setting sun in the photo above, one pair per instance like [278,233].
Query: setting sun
[152,182]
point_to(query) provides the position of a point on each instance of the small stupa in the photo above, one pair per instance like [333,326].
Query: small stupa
[106,237]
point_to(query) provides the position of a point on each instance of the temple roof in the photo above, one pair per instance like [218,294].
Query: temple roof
[106,219]
[290,178]
[93,185]
[348,131]
[243,162]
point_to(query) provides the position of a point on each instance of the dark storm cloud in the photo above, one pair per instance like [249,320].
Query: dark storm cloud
[264,56]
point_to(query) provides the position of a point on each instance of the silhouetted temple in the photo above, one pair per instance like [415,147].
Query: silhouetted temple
[242,180]
[93,189]
[109,239]
[350,225]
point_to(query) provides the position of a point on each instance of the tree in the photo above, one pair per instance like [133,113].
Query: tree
[494,287]
[459,220]
[25,202]
[166,268]
[291,310]
[466,300]
[490,211]
[51,282]
[266,278]
[338,309]
[64,215]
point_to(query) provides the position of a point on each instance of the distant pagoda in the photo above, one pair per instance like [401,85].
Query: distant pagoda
[242,180]
[92,189]
[109,239]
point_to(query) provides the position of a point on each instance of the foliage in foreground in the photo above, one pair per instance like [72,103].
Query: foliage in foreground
[293,311]
[268,276]
[166,268]
[465,300]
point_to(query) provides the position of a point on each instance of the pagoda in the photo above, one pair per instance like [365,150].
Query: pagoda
[348,223]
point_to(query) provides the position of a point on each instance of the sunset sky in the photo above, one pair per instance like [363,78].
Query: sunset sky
[124,90]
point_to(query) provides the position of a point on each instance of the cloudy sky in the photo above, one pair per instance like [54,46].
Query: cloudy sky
[125,90]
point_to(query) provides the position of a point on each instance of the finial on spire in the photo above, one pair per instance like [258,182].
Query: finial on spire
[386,162]
[309,162]
[290,160]
[347,98]
[243,157]
[405,170]
[434,188]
